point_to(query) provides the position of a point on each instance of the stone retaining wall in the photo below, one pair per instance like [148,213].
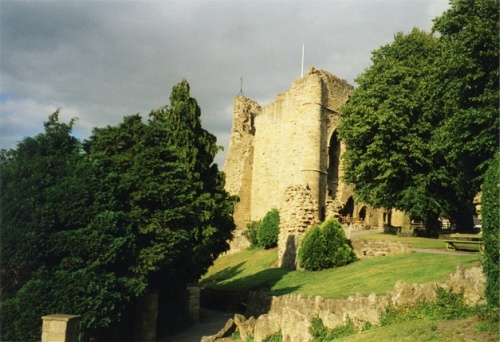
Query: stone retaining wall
[292,314]
[373,248]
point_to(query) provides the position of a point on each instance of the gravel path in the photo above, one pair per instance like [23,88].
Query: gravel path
[211,321]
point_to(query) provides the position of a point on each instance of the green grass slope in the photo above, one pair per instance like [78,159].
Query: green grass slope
[253,269]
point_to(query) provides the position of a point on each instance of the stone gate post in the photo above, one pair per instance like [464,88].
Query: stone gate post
[146,318]
[60,328]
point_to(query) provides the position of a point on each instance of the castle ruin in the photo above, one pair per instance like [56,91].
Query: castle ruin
[287,155]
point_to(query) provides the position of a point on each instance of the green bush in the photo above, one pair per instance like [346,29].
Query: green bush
[321,333]
[490,213]
[251,233]
[448,306]
[339,251]
[312,251]
[269,229]
[324,247]
[277,337]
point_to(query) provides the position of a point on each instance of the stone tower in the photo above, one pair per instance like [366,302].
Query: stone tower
[287,156]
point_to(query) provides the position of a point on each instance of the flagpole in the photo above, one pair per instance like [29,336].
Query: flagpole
[302,70]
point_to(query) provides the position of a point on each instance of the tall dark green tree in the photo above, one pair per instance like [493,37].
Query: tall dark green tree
[163,174]
[87,230]
[61,251]
[35,188]
[206,206]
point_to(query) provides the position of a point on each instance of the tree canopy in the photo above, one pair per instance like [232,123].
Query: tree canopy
[90,227]
[423,122]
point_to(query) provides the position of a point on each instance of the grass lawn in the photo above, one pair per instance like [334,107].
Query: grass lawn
[427,330]
[253,269]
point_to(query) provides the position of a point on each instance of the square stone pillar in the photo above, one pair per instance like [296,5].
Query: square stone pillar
[60,328]
[146,317]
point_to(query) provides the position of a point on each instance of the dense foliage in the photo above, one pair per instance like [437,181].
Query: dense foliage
[251,233]
[320,333]
[468,94]
[269,229]
[424,119]
[325,246]
[490,212]
[448,306]
[312,251]
[88,228]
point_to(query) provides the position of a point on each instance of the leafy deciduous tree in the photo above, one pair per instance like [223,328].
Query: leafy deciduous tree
[467,92]
[387,125]
[424,120]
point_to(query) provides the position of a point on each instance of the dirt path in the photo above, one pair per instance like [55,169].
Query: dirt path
[211,321]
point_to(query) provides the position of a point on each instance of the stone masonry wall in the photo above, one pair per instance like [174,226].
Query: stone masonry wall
[239,160]
[286,145]
[292,314]
[297,213]
[372,248]
[283,144]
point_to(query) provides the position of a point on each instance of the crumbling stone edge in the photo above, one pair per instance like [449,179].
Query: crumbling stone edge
[292,314]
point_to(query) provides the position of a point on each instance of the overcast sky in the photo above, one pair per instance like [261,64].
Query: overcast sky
[102,60]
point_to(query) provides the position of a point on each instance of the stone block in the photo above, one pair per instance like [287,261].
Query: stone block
[60,328]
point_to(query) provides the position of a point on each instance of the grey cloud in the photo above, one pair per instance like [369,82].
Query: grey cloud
[101,60]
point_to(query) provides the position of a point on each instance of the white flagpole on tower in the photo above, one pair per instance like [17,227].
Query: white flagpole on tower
[302,70]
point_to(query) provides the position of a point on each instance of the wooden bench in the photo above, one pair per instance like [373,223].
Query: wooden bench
[453,240]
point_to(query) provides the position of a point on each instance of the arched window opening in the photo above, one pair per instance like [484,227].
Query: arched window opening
[348,208]
[333,165]
[362,213]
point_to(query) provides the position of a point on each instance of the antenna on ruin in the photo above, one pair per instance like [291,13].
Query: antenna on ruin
[302,70]
[241,87]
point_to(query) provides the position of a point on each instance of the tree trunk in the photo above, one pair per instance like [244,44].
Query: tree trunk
[464,219]
[432,224]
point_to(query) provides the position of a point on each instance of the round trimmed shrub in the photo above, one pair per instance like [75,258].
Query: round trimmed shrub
[269,229]
[324,247]
[312,252]
[339,252]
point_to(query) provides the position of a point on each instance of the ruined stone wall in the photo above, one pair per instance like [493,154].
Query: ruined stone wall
[285,143]
[290,142]
[292,314]
[239,160]
[372,248]
[297,213]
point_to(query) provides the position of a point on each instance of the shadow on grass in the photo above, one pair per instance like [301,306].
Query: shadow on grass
[260,281]
[233,294]
[227,273]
